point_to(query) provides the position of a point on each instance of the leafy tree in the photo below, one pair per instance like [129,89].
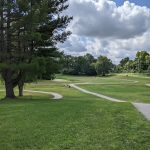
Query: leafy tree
[81,65]
[141,60]
[103,65]
[68,65]
[92,70]
[122,64]
[129,66]
[124,61]
[89,68]
[29,30]
[148,63]
[140,64]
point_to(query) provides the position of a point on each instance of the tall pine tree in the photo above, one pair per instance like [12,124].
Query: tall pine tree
[29,31]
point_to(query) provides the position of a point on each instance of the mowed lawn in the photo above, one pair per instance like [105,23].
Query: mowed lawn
[127,88]
[77,122]
[126,92]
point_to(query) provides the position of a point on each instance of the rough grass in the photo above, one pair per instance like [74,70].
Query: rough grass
[77,122]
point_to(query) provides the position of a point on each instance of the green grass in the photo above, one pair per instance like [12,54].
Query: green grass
[132,93]
[119,86]
[77,122]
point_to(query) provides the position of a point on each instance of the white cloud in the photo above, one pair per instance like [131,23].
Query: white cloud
[100,27]
[74,44]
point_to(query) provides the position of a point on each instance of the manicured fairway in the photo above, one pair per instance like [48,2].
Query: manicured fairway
[77,122]
[131,92]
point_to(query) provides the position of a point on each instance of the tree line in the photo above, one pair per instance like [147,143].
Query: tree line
[141,63]
[85,65]
[88,65]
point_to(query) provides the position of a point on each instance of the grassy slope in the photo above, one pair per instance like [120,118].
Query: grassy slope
[79,121]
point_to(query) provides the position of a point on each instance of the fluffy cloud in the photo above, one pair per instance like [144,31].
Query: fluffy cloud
[100,27]
[74,43]
[103,19]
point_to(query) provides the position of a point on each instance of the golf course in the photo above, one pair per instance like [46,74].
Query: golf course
[53,115]
[74,75]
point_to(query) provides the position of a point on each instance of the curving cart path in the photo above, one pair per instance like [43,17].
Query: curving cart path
[141,107]
[55,95]
[144,109]
[95,94]
[147,84]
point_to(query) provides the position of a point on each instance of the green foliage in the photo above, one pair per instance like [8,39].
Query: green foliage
[51,67]
[142,61]
[140,64]
[103,65]
[30,31]
[82,65]
[124,61]
[88,65]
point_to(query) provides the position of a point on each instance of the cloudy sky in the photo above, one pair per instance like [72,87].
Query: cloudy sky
[114,28]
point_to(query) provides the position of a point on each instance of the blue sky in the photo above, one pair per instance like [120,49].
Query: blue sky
[137,2]
[116,30]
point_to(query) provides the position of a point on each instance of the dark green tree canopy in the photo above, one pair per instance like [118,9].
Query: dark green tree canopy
[81,65]
[124,61]
[29,29]
[103,65]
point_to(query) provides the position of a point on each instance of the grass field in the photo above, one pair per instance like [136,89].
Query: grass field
[78,121]
[126,92]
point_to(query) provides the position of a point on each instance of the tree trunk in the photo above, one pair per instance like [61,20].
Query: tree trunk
[9,90]
[7,76]
[20,87]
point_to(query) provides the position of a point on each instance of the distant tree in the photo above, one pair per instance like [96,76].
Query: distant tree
[69,65]
[129,66]
[89,68]
[124,61]
[148,63]
[92,70]
[81,65]
[141,60]
[103,65]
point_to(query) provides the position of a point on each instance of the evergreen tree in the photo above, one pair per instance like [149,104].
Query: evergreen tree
[29,30]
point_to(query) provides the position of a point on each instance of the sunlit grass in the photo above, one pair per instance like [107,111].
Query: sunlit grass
[77,122]
[133,93]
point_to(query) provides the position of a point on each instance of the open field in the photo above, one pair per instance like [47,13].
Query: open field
[78,121]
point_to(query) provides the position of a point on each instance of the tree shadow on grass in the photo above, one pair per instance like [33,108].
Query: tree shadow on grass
[29,100]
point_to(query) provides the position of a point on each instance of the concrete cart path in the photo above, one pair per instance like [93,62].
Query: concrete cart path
[55,95]
[95,94]
[147,84]
[144,109]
